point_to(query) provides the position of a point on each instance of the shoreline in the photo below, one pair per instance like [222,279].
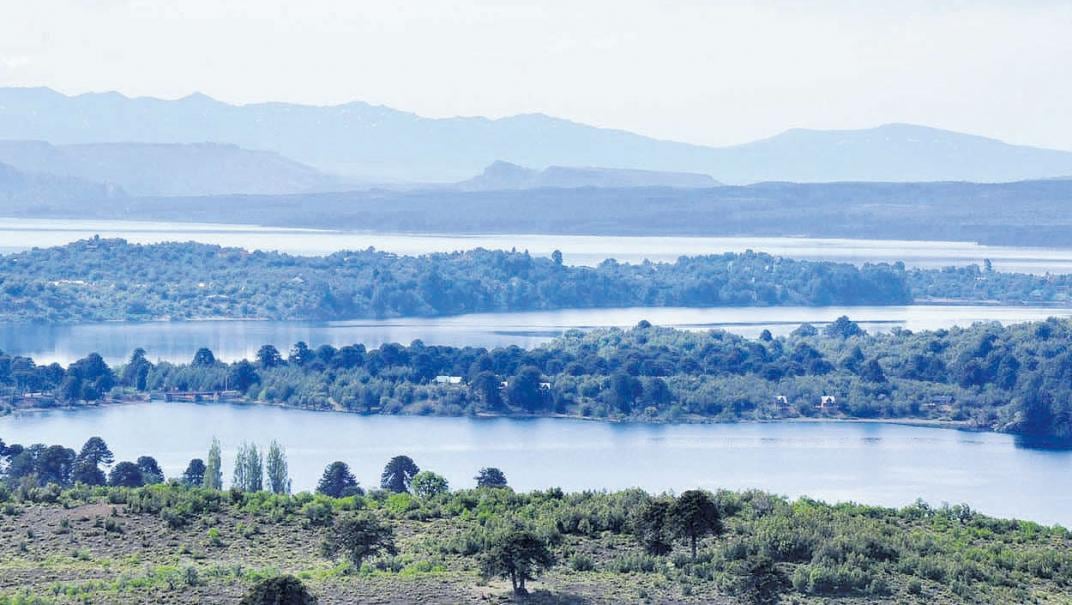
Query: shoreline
[958,425]
[921,302]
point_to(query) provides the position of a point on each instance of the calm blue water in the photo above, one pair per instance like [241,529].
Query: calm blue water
[231,340]
[872,463]
[20,234]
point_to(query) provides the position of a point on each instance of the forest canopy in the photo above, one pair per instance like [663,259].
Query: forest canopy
[1014,378]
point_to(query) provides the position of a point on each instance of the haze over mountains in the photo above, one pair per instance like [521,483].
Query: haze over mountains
[364,142]
[504,176]
[154,169]
[21,192]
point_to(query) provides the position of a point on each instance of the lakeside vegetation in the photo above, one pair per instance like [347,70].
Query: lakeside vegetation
[1015,378]
[65,537]
[105,280]
[95,280]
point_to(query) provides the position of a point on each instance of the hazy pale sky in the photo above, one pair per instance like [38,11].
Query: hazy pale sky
[704,71]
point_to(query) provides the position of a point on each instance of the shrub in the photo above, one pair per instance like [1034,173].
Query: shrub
[638,563]
[582,562]
[280,590]
[318,513]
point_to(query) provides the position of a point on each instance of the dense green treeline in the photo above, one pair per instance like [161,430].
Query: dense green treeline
[1014,378]
[983,284]
[96,280]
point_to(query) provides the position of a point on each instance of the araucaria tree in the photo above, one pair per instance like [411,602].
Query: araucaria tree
[519,555]
[126,474]
[194,475]
[337,481]
[150,469]
[87,469]
[398,474]
[358,537]
[214,466]
[276,465]
[695,515]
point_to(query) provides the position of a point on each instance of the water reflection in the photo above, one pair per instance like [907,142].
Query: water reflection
[230,340]
[865,462]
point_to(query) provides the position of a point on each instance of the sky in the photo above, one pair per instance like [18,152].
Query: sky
[703,71]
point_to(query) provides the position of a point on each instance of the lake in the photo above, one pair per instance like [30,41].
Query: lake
[21,234]
[881,464]
[231,340]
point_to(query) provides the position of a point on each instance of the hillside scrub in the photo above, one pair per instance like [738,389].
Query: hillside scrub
[172,544]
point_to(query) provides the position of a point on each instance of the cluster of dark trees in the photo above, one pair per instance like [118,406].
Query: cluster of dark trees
[39,465]
[1014,378]
[400,475]
[97,280]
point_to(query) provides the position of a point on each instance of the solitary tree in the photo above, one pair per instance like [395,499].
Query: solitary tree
[243,375]
[214,466]
[96,451]
[56,465]
[136,372]
[203,358]
[87,465]
[653,529]
[486,385]
[695,515]
[358,537]
[843,327]
[519,555]
[489,476]
[126,474]
[194,476]
[268,357]
[337,481]
[524,389]
[398,474]
[301,354]
[427,484]
[150,470]
[276,465]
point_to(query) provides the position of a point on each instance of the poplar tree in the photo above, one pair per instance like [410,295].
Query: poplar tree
[276,465]
[248,469]
[214,466]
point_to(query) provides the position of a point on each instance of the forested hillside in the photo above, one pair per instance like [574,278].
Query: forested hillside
[98,280]
[1016,379]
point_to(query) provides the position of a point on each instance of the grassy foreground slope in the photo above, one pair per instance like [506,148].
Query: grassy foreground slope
[171,544]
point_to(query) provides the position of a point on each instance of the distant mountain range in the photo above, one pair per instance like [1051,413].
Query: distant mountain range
[43,192]
[154,169]
[504,175]
[371,143]
[1035,213]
